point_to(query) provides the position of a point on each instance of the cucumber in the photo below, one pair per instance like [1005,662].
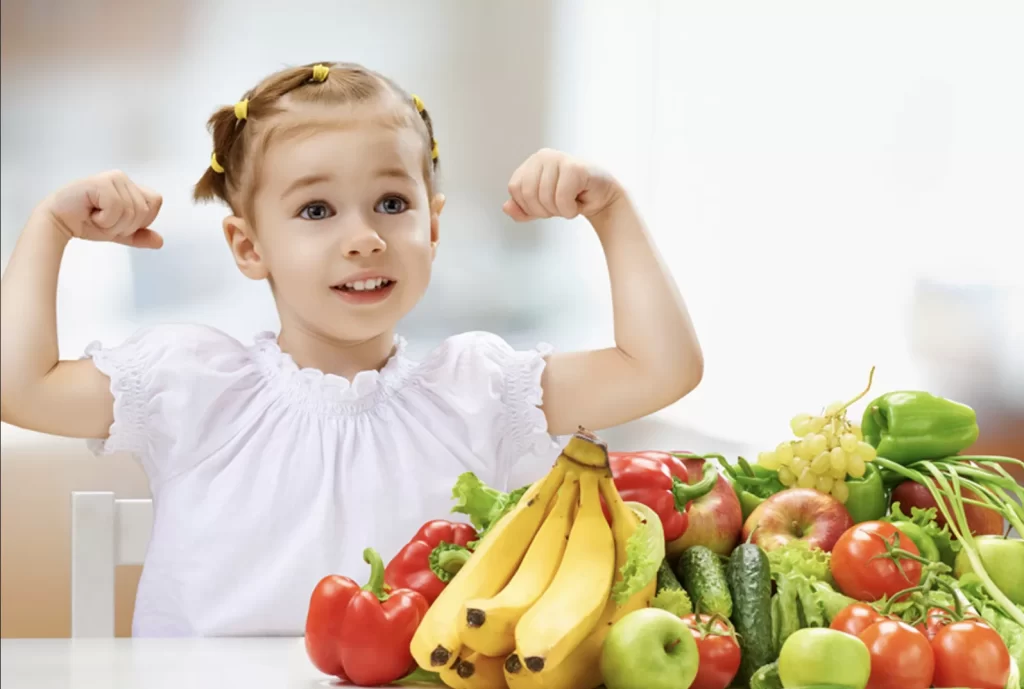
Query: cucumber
[667,578]
[750,583]
[703,576]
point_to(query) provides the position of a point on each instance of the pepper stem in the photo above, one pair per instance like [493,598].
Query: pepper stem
[376,583]
[447,559]
[685,492]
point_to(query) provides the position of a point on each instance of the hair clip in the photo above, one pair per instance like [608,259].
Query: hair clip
[320,72]
[418,103]
[433,151]
[242,109]
[215,165]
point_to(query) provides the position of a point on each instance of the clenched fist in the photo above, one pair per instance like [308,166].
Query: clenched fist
[107,207]
[553,184]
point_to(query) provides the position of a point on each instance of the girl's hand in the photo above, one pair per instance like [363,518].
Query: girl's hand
[553,184]
[107,207]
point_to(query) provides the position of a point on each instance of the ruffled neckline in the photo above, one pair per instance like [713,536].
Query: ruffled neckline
[328,390]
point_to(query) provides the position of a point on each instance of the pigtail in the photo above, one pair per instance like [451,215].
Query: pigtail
[214,182]
[425,116]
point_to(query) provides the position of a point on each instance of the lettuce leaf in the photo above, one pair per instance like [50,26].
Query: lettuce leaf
[482,504]
[676,601]
[645,551]
[797,557]
[926,520]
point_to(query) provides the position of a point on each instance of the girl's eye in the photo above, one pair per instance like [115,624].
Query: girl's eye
[316,211]
[392,205]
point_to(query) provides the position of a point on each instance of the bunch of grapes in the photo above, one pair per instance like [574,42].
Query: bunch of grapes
[828,449]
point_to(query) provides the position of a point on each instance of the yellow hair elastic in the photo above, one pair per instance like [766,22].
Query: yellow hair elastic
[433,151]
[320,72]
[242,109]
[215,165]
[418,103]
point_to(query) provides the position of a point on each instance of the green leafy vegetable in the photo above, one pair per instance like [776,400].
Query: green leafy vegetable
[797,557]
[482,504]
[676,601]
[645,551]
[419,676]
[926,519]
[801,602]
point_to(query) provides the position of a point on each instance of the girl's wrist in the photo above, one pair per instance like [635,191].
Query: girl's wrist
[43,222]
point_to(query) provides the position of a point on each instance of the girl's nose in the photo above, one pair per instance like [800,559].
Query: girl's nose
[363,242]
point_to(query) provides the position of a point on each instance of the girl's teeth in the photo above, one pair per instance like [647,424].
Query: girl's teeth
[364,285]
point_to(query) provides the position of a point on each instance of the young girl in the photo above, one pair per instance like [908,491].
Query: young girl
[274,463]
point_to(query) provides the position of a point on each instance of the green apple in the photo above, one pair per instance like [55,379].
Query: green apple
[816,656]
[1003,559]
[649,649]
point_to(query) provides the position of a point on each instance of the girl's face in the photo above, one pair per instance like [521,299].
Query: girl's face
[343,225]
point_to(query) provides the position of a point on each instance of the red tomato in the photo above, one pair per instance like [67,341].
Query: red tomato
[936,619]
[854,619]
[901,657]
[970,654]
[862,566]
[719,652]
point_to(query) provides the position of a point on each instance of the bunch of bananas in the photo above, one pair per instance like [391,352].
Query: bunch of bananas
[532,606]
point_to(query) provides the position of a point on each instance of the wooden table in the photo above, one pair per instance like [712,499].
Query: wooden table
[158,664]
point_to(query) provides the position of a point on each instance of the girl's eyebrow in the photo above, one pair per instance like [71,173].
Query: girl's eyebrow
[306,181]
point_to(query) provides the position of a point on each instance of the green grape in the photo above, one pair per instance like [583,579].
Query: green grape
[816,424]
[824,483]
[840,491]
[807,479]
[786,477]
[837,457]
[818,444]
[784,452]
[798,465]
[857,432]
[866,451]
[800,425]
[855,466]
[803,450]
[821,464]
[837,473]
[833,409]
[769,460]
[848,442]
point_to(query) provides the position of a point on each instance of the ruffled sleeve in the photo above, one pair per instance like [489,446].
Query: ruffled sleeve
[506,384]
[168,383]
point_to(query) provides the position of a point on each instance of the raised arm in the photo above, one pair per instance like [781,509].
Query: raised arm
[656,359]
[37,390]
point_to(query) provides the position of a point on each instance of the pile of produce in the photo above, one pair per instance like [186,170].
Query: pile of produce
[870,555]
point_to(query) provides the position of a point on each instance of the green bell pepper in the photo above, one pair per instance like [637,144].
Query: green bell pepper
[868,500]
[907,426]
[753,484]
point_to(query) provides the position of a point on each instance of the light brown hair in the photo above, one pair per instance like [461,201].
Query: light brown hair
[235,138]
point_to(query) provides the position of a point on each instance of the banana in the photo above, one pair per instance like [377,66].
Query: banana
[587,451]
[478,671]
[581,668]
[568,610]
[436,642]
[488,624]
[449,674]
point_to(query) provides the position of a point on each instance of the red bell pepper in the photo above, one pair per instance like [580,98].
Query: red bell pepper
[362,634]
[429,561]
[660,481]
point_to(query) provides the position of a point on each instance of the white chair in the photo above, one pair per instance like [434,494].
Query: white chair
[105,532]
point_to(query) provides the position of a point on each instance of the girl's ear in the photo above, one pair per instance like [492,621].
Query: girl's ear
[245,248]
[436,206]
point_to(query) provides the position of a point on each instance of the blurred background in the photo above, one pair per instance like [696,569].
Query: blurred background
[835,185]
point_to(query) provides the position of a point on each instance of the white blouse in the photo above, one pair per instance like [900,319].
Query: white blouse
[266,477]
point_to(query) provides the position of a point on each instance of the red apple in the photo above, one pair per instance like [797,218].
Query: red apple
[797,514]
[982,520]
[715,519]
